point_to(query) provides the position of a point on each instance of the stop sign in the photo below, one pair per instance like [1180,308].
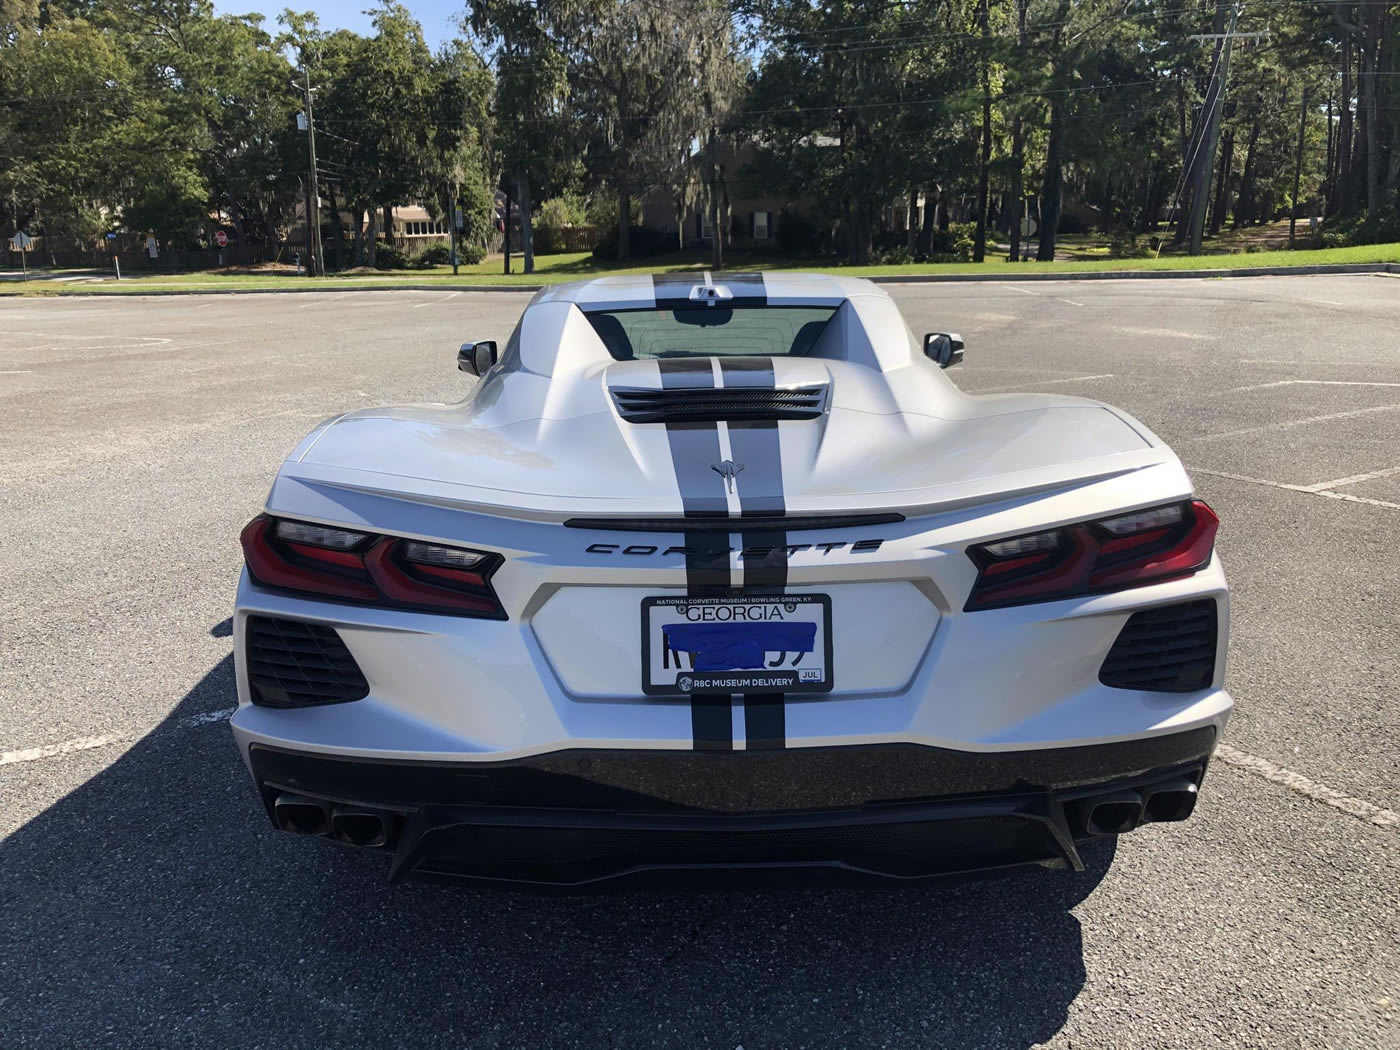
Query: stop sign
[221,239]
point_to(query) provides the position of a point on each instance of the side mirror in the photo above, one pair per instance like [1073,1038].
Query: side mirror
[945,348]
[476,358]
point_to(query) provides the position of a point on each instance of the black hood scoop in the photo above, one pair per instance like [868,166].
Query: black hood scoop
[711,405]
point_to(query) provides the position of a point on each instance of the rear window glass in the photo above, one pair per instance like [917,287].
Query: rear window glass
[711,331]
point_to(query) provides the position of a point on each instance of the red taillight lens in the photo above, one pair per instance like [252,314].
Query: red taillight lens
[1127,550]
[362,567]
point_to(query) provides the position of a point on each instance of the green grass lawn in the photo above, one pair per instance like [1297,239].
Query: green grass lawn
[551,269]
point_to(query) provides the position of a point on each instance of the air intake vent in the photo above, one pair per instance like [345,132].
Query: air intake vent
[295,664]
[709,405]
[1166,650]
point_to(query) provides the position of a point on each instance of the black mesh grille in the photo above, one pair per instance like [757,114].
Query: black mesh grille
[709,405]
[1168,650]
[295,664]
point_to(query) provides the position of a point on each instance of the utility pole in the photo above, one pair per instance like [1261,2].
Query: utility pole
[1018,145]
[506,245]
[1211,111]
[1298,169]
[315,264]
[452,229]
[979,245]
[1210,125]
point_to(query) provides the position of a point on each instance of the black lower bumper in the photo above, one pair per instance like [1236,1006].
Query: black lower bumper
[897,810]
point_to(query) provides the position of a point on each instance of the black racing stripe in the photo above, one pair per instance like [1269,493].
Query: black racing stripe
[695,372]
[747,289]
[765,572]
[694,452]
[712,722]
[673,289]
[754,373]
[706,563]
[754,443]
[765,561]
[765,722]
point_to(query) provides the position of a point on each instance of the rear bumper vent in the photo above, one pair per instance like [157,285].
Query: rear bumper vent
[1166,650]
[708,405]
[295,664]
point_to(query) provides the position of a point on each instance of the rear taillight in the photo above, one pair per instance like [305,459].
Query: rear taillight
[1126,550]
[378,570]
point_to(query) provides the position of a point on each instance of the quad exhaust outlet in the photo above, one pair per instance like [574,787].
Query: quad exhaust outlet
[352,825]
[359,827]
[1121,811]
[301,816]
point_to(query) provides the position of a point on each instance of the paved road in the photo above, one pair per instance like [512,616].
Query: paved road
[146,903]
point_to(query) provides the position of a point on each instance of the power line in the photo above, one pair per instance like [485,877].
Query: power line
[1144,12]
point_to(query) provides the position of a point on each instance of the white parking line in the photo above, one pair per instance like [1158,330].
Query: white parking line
[1262,767]
[1024,291]
[1329,302]
[1032,384]
[1309,490]
[1354,479]
[221,715]
[16,372]
[434,302]
[1071,302]
[1308,382]
[1162,333]
[1289,424]
[67,747]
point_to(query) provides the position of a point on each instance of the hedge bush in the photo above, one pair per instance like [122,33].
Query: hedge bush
[389,256]
[644,241]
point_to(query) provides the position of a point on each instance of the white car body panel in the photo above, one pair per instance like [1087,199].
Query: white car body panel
[539,441]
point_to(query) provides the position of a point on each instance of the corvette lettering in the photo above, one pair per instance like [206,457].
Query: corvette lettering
[645,549]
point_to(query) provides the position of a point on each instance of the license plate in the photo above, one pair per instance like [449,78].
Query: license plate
[772,643]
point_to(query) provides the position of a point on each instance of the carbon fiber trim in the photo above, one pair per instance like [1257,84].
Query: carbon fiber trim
[638,781]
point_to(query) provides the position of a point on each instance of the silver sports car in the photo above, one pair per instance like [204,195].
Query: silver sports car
[723,571]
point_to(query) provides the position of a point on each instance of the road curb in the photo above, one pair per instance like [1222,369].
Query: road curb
[115,290]
[913,278]
[1140,275]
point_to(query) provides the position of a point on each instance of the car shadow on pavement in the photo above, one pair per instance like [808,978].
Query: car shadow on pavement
[153,905]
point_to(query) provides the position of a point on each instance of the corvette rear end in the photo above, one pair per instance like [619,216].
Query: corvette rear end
[728,575]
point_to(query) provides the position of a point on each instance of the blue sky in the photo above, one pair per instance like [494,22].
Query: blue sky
[436,16]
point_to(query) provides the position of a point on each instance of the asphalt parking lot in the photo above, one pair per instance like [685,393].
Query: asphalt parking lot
[146,901]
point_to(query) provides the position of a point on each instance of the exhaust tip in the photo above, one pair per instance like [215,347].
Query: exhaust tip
[301,816]
[1171,802]
[1114,814]
[359,827]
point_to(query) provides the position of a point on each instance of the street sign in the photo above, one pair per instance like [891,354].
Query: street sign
[21,242]
[151,248]
[111,236]
[221,239]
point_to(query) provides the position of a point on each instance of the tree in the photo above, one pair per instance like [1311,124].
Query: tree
[534,141]
[647,79]
[71,127]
